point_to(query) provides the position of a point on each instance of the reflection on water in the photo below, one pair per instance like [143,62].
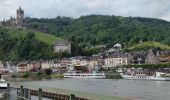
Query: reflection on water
[144,90]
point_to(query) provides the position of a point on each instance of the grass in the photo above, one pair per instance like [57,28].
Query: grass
[44,37]
[148,45]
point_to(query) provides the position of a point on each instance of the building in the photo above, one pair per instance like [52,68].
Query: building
[143,57]
[22,67]
[20,17]
[93,63]
[116,59]
[151,58]
[137,57]
[35,65]
[116,47]
[45,65]
[1,64]
[62,46]
[15,22]
[164,56]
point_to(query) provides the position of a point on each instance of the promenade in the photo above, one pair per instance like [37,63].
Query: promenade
[90,96]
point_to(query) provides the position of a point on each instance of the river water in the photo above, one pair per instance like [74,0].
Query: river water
[143,90]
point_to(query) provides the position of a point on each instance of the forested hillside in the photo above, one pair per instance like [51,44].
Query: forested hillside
[97,29]
[86,33]
[23,45]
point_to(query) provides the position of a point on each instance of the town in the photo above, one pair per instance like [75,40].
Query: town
[110,59]
[47,55]
[114,58]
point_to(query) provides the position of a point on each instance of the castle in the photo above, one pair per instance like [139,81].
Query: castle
[14,22]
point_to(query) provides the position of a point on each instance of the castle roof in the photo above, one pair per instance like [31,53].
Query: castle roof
[20,10]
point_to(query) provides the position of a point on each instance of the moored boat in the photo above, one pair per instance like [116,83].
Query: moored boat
[140,75]
[3,84]
[93,75]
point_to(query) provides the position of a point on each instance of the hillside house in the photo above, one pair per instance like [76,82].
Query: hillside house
[62,46]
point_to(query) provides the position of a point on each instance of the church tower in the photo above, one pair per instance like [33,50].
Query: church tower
[20,17]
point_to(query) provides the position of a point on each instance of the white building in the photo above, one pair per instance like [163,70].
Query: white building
[93,63]
[45,65]
[115,60]
[62,46]
[84,62]
[116,47]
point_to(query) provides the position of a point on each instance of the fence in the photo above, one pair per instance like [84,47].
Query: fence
[25,94]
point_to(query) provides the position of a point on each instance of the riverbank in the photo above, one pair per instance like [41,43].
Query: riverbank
[35,75]
[49,75]
[113,75]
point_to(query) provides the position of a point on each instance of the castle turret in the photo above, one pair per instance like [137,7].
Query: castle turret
[20,17]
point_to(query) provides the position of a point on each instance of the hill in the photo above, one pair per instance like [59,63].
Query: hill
[94,30]
[85,32]
[147,45]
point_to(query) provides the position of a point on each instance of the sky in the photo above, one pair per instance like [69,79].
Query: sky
[76,8]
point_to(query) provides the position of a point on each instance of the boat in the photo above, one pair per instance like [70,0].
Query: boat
[3,84]
[158,76]
[93,75]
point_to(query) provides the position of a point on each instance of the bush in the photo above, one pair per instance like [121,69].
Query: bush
[48,71]
[14,76]
[26,75]
[40,74]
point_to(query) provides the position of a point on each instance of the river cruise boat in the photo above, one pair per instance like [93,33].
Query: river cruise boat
[139,74]
[93,75]
[158,77]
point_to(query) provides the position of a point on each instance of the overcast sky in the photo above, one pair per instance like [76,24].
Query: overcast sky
[75,8]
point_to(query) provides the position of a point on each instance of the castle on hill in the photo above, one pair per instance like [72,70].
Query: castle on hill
[14,22]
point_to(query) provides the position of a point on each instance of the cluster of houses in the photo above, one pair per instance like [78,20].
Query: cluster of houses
[112,58]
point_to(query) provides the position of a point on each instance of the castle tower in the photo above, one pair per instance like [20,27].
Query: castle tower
[20,17]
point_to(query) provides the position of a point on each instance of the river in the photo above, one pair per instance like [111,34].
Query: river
[143,90]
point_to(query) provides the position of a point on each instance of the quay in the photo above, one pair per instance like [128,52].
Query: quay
[27,93]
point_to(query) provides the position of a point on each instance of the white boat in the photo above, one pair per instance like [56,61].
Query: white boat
[3,84]
[94,75]
[158,77]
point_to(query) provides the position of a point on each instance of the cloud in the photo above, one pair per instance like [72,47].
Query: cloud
[76,8]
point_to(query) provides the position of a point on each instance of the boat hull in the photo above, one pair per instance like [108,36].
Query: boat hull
[128,77]
[92,76]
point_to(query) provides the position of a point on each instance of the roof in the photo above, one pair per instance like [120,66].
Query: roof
[117,45]
[165,53]
[62,42]
[138,53]
[118,54]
